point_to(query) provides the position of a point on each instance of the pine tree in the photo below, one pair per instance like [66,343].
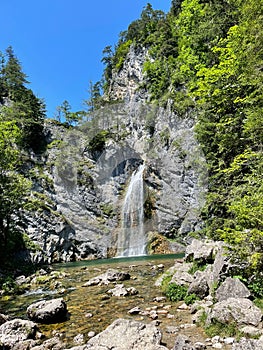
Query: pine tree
[14,79]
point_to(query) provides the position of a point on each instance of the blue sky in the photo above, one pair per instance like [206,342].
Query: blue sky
[59,42]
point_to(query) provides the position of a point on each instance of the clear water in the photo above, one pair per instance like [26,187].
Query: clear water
[82,301]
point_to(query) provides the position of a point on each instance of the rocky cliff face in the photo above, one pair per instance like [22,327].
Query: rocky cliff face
[86,171]
[126,81]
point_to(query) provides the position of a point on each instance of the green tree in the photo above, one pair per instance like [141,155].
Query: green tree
[95,99]
[65,109]
[13,77]
[25,107]
[14,187]
[107,60]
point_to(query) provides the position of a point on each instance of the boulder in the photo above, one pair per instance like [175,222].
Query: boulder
[199,308]
[182,342]
[175,271]
[202,251]
[199,285]
[251,331]
[49,344]
[109,276]
[120,291]
[15,332]
[220,265]
[126,334]
[78,339]
[232,288]
[239,310]
[25,345]
[260,342]
[248,344]
[48,311]
[182,278]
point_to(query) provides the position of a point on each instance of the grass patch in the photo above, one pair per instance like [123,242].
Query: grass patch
[222,329]
[189,299]
[197,266]
[175,292]
[259,303]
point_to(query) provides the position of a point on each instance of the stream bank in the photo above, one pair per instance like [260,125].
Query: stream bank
[92,307]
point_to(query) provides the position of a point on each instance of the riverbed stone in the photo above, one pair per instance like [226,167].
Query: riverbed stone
[78,339]
[126,334]
[182,342]
[120,291]
[48,311]
[248,344]
[111,275]
[50,344]
[251,331]
[135,310]
[232,288]
[16,331]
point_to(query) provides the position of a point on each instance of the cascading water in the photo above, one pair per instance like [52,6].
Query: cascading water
[131,239]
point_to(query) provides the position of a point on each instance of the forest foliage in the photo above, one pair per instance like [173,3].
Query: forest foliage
[206,58]
[21,131]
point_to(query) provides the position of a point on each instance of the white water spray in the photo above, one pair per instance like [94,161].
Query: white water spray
[131,239]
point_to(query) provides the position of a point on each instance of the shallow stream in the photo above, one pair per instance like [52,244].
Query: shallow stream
[91,309]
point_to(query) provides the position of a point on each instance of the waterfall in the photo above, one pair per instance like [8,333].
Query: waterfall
[131,239]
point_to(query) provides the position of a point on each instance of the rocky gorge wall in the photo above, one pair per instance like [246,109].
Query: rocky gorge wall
[86,169]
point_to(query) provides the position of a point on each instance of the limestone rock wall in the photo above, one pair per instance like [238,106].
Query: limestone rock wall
[88,167]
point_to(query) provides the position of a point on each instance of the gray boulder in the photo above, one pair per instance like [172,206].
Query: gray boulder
[232,288]
[260,343]
[248,344]
[109,276]
[219,268]
[179,272]
[48,311]
[15,332]
[202,251]
[199,285]
[120,291]
[125,334]
[182,278]
[182,342]
[239,310]
[251,331]
[49,344]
